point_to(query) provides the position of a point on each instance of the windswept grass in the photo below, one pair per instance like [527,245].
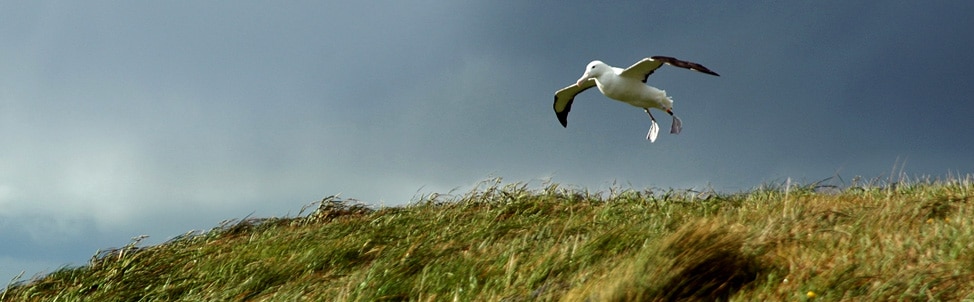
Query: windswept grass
[911,241]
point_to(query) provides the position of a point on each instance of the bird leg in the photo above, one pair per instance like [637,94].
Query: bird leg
[677,123]
[650,114]
[653,129]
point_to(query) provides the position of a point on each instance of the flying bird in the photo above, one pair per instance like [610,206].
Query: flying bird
[627,86]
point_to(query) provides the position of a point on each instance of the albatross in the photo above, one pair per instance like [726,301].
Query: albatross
[627,86]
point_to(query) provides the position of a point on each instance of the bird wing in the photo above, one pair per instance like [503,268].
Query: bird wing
[642,69]
[564,98]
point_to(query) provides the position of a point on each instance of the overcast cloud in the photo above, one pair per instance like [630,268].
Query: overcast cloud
[119,119]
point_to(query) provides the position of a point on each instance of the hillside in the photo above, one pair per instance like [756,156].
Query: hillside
[895,241]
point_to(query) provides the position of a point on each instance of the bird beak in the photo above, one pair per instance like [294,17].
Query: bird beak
[582,80]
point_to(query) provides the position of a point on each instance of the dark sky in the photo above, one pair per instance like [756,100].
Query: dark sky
[120,119]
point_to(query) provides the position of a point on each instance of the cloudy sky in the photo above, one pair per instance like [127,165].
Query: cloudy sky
[119,119]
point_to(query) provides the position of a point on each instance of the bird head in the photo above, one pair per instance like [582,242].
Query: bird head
[592,71]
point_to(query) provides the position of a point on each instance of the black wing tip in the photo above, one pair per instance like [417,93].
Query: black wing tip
[562,115]
[710,72]
[563,119]
[684,64]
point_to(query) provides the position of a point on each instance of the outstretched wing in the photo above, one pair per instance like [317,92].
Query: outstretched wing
[564,98]
[642,69]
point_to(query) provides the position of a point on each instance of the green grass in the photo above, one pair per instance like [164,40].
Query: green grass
[897,241]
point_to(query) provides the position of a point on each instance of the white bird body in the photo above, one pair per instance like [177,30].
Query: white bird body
[627,89]
[627,86]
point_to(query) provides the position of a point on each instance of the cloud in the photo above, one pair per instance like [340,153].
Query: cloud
[118,120]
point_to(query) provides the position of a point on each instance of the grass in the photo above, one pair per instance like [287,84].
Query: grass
[508,242]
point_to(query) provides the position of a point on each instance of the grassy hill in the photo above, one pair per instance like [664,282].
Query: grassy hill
[897,241]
